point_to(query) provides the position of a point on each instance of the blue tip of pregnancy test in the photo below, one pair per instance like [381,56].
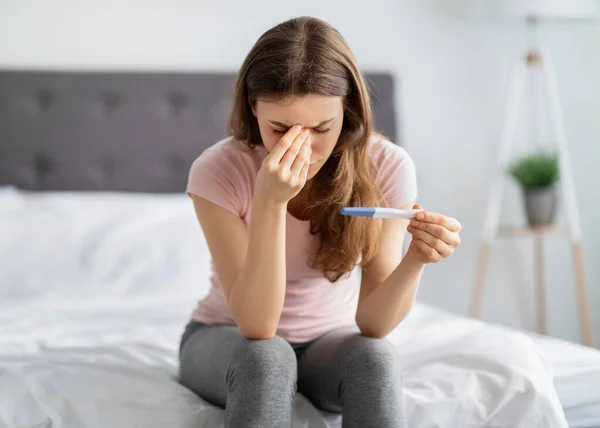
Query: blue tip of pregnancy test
[358,211]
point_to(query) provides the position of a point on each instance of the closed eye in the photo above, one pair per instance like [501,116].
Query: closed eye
[319,131]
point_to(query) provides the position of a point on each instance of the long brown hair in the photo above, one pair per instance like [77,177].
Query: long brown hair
[302,56]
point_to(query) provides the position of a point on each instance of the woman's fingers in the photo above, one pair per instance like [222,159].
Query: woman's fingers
[284,144]
[304,172]
[431,254]
[437,244]
[448,222]
[434,235]
[302,158]
[290,156]
[437,231]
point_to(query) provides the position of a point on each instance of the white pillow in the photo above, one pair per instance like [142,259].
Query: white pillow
[10,198]
[82,243]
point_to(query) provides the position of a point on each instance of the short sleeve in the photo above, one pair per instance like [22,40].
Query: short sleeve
[396,174]
[217,177]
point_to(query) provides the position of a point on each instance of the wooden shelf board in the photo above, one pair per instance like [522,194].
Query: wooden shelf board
[527,230]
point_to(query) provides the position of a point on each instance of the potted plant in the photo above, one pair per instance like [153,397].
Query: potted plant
[537,175]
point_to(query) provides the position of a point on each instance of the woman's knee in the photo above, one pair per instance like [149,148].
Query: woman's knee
[377,356]
[270,361]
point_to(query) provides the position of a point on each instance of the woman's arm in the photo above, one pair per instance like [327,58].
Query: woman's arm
[250,264]
[390,283]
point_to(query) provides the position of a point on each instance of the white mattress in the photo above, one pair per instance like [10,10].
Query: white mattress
[95,290]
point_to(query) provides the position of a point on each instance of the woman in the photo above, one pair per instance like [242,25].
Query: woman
[287,311]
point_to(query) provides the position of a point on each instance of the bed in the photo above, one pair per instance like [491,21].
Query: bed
[102,262]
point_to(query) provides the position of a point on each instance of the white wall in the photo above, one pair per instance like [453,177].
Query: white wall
[454,73]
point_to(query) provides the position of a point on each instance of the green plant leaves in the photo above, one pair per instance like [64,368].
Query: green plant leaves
[535,170]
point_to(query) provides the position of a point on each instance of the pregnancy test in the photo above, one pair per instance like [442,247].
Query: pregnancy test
[379,212]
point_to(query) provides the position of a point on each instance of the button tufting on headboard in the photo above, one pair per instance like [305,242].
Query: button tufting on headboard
[159,122]
[42,167]
[44,98]
[110,101]
[177,102]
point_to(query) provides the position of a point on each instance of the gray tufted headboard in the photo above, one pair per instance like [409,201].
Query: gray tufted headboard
[120,131]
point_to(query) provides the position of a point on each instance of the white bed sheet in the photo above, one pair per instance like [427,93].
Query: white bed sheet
[576,378]
[95,290]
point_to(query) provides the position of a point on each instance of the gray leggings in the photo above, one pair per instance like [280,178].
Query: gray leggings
[256,380]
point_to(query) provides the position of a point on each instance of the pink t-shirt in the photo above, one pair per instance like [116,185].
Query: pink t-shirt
[225,174]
